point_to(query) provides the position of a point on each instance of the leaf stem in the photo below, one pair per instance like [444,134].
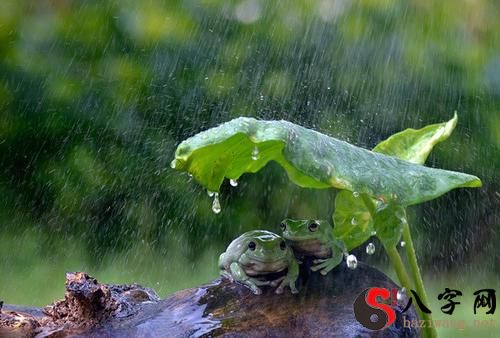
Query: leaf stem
[430,330]
[398,265]
[404,279]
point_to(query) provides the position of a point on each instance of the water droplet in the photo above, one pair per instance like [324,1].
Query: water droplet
[210,193]
[190,175]
[403,243]
[261,97]
[173,164]
[355,194]
[374,233]
[352,262]
[255,153]
[216,204]
[354,221]
[370,248]
[401,293]
[233,183]
[328,171]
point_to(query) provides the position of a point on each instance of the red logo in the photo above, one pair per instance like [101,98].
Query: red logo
[371,308]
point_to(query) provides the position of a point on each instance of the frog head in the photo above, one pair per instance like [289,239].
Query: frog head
[308,237]
[302,230]
[265,246]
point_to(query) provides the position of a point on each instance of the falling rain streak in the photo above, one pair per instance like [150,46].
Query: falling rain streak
[96,96]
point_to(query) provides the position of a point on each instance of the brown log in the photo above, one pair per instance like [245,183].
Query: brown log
[323,308]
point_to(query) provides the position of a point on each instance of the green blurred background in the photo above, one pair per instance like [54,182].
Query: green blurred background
[95,96]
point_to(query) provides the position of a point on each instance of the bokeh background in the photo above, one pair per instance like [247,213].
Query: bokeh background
[95,96]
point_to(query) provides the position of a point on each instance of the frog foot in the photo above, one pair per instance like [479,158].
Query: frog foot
[256,290]
[324,265]
[286,282]
[227,275]
[254,283]
[277,281]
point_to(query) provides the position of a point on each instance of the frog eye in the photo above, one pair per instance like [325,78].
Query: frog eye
[282,245]
[313,226]
[252,246]
[283,226]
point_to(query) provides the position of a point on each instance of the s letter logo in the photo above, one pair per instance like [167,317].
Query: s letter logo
[372,314]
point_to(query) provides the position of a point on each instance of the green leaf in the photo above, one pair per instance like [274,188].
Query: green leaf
[388,223]
[410,145]
[352,218]
[312,160]
[415,145]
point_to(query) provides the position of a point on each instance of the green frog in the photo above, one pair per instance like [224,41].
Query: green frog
[255,254]
[314,238]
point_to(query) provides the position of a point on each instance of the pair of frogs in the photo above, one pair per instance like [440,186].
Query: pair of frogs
[260,253]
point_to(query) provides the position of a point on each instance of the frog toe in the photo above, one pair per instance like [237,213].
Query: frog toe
[257,291]
[274,283]
[318,261]
[265,283]
[227,275]
[277,281]
[293,289]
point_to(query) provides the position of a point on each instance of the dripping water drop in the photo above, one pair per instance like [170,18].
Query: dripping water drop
[216,204]
[255,153]
[352,261]
[370,248]
[401,293]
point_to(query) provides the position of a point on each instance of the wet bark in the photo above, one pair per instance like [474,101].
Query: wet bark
[323,308]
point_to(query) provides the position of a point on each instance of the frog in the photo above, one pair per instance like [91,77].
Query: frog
[257,254]
[314,238]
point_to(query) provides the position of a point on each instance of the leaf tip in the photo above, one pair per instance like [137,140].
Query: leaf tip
[453,122]
[476,183]
[473,182]
[182,150]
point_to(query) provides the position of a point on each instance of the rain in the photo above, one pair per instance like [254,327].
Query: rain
[95,96]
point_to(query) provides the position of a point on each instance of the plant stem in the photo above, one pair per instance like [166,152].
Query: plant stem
[417,279]
[404,279]
[398,265]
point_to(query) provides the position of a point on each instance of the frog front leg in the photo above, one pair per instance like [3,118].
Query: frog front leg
[253,283]
[326,265]
[290,278]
